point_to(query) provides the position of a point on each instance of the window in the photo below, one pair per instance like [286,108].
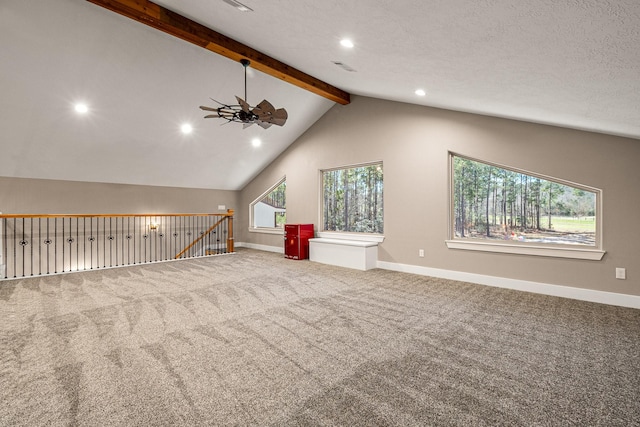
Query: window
[268,212]
[352,199]
[499,206]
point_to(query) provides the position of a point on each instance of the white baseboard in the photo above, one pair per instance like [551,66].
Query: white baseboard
[611,298]
[266,248]
[602,297]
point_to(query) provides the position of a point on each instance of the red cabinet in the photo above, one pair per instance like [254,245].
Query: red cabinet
[296,240]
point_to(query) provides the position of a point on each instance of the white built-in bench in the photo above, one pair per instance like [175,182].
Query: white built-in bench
[361,255]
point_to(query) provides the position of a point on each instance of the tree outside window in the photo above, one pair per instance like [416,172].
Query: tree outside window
[496,203]
[353,199]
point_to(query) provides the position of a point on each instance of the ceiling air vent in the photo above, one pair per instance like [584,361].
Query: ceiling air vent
[344,66]
[241,7]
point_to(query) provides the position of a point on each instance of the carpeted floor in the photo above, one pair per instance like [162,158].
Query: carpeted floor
[255,339]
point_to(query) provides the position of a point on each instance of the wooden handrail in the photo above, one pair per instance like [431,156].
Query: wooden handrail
[109,215]
[213,227]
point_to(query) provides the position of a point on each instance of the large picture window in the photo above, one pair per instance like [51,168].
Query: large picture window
[499,205]
[269,211]
[353,199]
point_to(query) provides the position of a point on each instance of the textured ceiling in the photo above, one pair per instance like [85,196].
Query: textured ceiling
[571,63]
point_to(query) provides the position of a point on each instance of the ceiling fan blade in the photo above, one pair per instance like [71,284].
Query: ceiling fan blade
[263,124]
[264,107]
[245,106]
[275,117]
[279,117]
[202,107]
[211,116]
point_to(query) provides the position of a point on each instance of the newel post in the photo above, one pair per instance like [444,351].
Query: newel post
[230,235]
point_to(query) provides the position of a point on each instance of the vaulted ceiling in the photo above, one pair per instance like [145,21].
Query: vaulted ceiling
[574,64]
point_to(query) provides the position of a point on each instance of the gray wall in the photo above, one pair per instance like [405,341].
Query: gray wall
[37,196]
[414,141]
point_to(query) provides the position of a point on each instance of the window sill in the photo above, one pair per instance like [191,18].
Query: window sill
[571,252]
[360,237]
[279,231]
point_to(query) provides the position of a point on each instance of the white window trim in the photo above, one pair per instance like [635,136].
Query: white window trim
[343,235]
[265,230]
[505,248]
[593,253]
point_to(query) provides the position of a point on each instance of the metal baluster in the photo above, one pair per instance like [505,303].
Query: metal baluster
[128,241]
[39,246]
[4,244]
[91,239]
[123,239]
[31,245]
[62,244]
[77,243]
[190,233]
[134,240]
[154,240]
[196,235]
[84,242]
[206,241]
[114,237]
[176,240]
[162,239]
[179,235]
[23,245]
[173,238]
[70,241]
[225,235]
[15,250]
[104,242]
[55,245]
[146,238]
[110,244]
[189,239]
[48,243]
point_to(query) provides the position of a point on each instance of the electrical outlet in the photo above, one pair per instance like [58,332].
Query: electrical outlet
[421,253]
[222,207]
[621,273]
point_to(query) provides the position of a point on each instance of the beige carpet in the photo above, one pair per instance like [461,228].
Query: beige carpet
[255,339]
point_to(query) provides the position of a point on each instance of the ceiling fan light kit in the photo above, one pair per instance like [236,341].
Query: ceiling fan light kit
[264,114]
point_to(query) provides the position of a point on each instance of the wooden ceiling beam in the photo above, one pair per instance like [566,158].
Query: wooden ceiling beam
[179,26]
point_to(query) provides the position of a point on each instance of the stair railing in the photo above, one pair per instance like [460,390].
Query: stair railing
[34,245]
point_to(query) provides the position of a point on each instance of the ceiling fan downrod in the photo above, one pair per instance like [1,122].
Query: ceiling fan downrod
[245,63]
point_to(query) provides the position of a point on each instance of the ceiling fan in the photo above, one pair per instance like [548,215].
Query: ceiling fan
[264,114]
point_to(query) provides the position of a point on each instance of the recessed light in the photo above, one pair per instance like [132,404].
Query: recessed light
[186,128]
[256,142]
[81,108]
[420,92]
[346,43]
